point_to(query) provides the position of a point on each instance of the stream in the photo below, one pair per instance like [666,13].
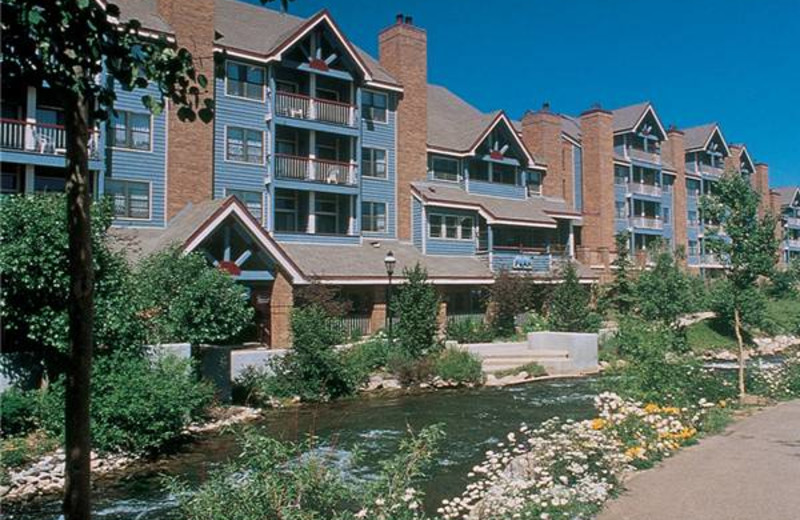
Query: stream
[473,419]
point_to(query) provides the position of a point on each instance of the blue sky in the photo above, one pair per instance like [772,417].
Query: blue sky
[736,62]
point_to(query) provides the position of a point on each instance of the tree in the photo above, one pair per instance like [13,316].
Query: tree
[569,309]
[621,291]
[67,45]
[509,298]
[417,307]
[745,243]
[664,293]
[184,299]
[327,297]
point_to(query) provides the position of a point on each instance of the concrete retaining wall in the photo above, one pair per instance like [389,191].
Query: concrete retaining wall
[581,348]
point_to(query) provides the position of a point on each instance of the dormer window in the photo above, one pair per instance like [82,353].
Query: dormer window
[444,168]
[534,182]
[375,106]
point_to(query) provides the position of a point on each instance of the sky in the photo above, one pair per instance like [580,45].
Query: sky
[736,62]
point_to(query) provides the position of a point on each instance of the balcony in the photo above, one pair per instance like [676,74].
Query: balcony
[793,222]
[641,188]
[641,155]
[298,106]
[793,243]
[647,223]
[41,138]
[711,171]
[314,170]
[709,259]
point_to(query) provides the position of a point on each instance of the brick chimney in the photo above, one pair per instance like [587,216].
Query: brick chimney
[761,185]
[597,137]
[733,161]
[403,51]
[541,133]
[674,151]
[190,162]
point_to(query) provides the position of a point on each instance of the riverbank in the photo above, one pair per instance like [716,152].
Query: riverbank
[749,471]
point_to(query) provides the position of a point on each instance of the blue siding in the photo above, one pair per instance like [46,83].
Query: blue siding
[245,113]
[317,239]
[382,135]
[577,168]
[416,223]
[149,166]
[495,189]
[534,263]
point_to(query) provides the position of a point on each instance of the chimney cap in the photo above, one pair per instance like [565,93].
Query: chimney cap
[409,20]
[546,106]
[399,18]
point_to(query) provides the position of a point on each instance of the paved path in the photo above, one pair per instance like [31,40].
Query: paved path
[749,472]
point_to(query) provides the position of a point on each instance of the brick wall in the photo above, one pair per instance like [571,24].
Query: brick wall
[281,302]
[190,157]
[761,185]
[403,51]
[541,133]
[733,161]
[673,150]
[598,179]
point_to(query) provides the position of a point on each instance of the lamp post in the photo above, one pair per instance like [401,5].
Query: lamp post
[389,261]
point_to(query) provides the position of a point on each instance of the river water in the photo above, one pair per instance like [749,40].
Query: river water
[473,420]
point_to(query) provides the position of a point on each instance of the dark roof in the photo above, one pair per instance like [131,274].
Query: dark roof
[453,123]
[786,194]
[625,118]
[145,11]
[534,210]
[696,137]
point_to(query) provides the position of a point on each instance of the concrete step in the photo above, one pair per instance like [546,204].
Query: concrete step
[527,355]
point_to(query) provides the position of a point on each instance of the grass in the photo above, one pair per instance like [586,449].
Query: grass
[784,314]
[533,369]
[19,451]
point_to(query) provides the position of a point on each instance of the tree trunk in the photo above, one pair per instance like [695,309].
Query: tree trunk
[737,325]
[80,304]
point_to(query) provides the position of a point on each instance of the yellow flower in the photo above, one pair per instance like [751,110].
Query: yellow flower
[723,404]
[635,452]
[598,423]
[651,408]
[671,410]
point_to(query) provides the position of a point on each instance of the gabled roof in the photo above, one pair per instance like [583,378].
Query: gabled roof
[145,11]
[740,152]
[787,195]
[627,119]
[532,212]
[456,126]
[699,137]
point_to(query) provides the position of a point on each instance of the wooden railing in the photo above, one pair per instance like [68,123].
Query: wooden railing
[644,189]
[647,223]
[653,157]
[713,171]
[298,106]
[40,138]
[316,170]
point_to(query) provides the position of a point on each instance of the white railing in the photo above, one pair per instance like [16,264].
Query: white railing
[712,171]
[644,189]
[647,223]
[298,106]
[793,221]
[40,138]
[317,170]
[652,157]
[793,242]
[709,259]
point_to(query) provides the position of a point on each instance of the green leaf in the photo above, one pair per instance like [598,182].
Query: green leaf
[34,17]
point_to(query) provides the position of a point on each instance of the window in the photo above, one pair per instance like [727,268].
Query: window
[504,173]
[131,130]
[251,199]
[245,81]
[327,94]
[694,250]
[374,106]
[691,216]
[11,179]
[285,146]
[451,226]
[285,86]
[692,187]
[373,162]
[534,182]
[621,174]
[244,145]
[286,211]
[444,168]
[131,199]
[373,217]
[620,209]
[665,213]
[326,209]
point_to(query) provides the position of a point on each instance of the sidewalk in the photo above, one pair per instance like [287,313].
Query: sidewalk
[749,472]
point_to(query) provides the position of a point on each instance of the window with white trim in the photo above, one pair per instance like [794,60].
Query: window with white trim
[252,199]
[444,168]
[286,211]
[452,227]
[131,199]
[375,106]
[373,217]
[245,81]
[131,130]
[621,209]
[621,174]
[504,173]
[326,210]
[534,182]
[244,145]
[373,162]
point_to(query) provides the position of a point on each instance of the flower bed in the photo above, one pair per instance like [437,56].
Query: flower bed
[568,469]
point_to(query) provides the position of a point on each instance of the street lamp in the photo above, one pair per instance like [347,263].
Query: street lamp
[389,261]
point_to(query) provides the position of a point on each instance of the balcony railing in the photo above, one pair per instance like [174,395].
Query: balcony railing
[793,221]
[298,106]
[651,157]
[793,242]
[709,259]
[712,171]
[40,138]
[644,189]
[647,223]
[314,170]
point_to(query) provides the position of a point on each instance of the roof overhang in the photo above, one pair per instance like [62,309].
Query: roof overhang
[233,207]
[715,131]
[502,118]
[744,154]
[648,110]
[481,210]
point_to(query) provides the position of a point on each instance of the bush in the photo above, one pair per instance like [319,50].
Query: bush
[664,292]
[367,357]
[408,370]
[510,295]
[534,322]
[417,307]
[185,299]
[779,381]
[138,405]
[17,411]
[458,365]
[569,309]
[469,331]
[784,282]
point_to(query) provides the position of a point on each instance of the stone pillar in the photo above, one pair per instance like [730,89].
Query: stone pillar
[598,178]
[281,304]
[377,318]
[541,133]
[403,51]
[190,144]
[675,152]
[441,318]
